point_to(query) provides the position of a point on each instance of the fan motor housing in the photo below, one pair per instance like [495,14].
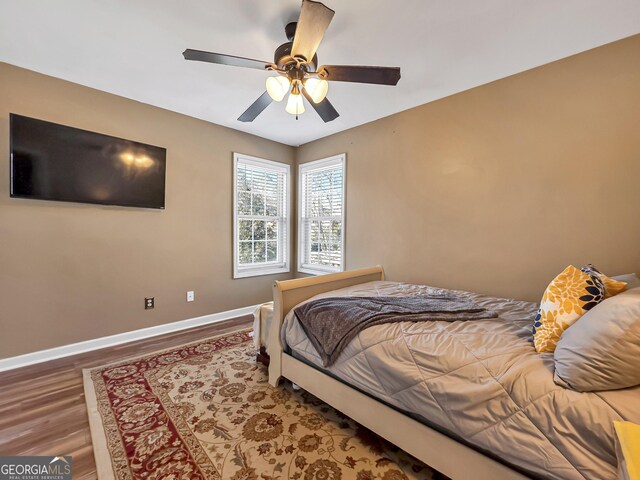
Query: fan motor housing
[282,56]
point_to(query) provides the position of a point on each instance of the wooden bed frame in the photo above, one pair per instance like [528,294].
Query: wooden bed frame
[437,450]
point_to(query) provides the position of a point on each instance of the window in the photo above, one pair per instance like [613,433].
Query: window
[261,217]
[321,216]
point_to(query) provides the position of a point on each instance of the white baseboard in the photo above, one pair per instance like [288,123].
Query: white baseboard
[86,346]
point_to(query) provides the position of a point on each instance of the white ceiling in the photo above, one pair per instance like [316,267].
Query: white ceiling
[134,48]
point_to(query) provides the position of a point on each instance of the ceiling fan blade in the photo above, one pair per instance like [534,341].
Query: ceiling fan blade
[222,59]
[353,73]
[314,20]
[324,108]
[256,108]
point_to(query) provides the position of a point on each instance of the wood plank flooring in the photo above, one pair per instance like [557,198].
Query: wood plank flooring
[42,407]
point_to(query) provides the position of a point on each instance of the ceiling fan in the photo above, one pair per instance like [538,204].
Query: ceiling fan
[296,64]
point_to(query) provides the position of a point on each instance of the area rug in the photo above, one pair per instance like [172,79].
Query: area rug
[205,411]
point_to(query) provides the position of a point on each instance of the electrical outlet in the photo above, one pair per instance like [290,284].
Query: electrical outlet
[191,296]
[149,303]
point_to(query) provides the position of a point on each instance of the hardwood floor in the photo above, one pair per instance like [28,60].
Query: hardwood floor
[42,407]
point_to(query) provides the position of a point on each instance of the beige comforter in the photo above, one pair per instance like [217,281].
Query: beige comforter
[483,382]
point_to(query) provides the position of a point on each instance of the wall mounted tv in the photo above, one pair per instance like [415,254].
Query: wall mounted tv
[65,164]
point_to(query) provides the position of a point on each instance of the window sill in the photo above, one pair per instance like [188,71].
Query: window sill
[317,271]
[259,272]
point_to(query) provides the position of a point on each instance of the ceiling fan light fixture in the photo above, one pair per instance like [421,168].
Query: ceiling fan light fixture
[277,87]
[295,106]
[317,89]
[296,63]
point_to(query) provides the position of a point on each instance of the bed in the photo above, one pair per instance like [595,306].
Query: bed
[470,399]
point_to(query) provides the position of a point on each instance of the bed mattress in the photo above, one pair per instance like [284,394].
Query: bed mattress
[482,382]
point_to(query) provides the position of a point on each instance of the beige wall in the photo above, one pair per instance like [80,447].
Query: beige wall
[498,188]
[71,272]
[495,190]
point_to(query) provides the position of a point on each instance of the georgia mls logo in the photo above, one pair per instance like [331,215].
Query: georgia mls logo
[35,468]
[61,459]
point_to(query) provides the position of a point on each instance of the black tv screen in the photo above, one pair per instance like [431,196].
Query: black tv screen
[66,164]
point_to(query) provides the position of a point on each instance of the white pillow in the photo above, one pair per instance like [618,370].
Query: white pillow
[601,351]
[631,278]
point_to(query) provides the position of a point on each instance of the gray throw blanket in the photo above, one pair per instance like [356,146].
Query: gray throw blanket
[331,323]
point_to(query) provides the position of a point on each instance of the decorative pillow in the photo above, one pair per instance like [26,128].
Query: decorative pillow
[631,279]
[602,350]
[612,287]
[565,300]
[628,450]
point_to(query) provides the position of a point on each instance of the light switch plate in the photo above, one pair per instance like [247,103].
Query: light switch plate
[191,296]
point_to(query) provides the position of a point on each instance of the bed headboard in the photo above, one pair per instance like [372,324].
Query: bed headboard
[289,293]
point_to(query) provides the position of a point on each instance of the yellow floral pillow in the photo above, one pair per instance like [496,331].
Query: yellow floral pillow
[612,287]
[565,300]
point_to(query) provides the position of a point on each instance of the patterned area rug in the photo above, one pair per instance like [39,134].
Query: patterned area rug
[206,411]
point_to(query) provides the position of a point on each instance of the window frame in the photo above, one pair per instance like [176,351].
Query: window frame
[303,168]
[273,267]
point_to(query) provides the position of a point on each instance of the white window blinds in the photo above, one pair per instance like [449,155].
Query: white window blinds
[261,217]
[321,216]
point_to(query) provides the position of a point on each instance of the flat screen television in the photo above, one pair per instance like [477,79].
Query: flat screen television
[66,164]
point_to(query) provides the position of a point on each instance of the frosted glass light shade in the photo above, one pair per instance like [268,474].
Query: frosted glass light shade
[277,87]
[317,89]
[295,105]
